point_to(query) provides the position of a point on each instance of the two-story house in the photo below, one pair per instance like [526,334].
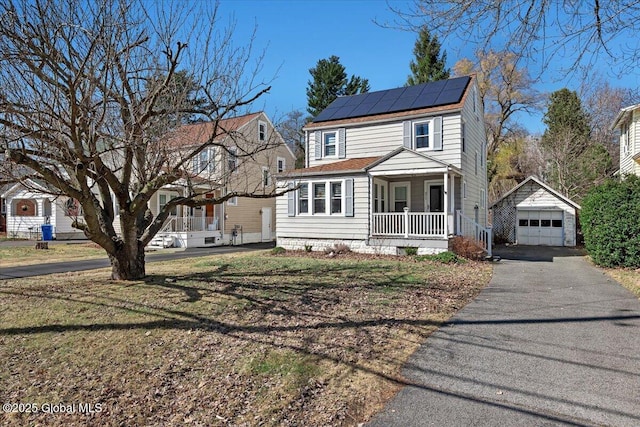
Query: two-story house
[628,123]
[234,163]
[391,169]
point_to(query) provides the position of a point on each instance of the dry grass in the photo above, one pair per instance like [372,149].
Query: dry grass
[628,278]
[228,340]
[12,256]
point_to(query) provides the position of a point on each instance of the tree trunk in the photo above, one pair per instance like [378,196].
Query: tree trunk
[128,263]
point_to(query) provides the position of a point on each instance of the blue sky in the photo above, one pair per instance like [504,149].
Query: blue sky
[297,33]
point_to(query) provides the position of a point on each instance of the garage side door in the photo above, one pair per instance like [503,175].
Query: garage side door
[540,227]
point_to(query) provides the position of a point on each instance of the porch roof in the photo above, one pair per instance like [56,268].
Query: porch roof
[358,165]
[404,160]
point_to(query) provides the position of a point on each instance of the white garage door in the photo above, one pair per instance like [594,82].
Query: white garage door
[537,227]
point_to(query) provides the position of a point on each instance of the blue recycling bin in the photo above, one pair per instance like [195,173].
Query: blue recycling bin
[47,232]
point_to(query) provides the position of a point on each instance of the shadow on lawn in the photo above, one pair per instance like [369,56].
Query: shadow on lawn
[275,294]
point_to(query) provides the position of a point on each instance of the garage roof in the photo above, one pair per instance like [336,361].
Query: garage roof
[543,185]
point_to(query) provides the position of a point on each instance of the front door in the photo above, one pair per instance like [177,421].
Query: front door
[266,224]
[435,198]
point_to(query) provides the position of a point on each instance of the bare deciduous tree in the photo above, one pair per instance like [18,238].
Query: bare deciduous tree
[505,89]
[90,91]
[542,31]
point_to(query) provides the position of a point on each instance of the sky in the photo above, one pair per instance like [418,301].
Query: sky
[298,33]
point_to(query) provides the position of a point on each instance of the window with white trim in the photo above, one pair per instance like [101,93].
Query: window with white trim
[379,197]
[262,131]
[163,199]
[3,206]
[463,134]
[303,199]
[400,193]
[483,198]
[625,131]
[328,144]
[325,198]
[266,176]
[233,201]
[281,163]
[475,164]
[336,197]
[421,135]
[232,159]
[319,197]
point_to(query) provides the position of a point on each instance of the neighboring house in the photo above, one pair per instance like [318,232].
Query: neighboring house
[391,169]
[31,204]
[628,123]
[236,221]
[533,213]
[217,171]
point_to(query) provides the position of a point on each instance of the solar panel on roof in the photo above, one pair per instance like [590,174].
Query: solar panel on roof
[448,97]
[402,103]
[362,109]
[340,101]
[442,92]
[381,107]
[392,93]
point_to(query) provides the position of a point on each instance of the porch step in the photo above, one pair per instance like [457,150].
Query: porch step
[162,242]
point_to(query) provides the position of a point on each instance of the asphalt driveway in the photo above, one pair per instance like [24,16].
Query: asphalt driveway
[551,341]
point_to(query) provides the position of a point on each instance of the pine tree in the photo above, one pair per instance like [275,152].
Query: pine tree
[329,80]
[575,163]
[429,64]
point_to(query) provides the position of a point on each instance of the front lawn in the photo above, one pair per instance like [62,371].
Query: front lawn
[13,256]
[250,339]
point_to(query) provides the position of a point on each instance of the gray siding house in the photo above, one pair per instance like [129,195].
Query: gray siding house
[628,124]
[391,169]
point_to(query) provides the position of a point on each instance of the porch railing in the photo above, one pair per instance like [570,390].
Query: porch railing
[179,224]
[467,227]
[408,224]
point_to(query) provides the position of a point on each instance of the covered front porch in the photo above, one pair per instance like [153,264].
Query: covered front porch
[415,206]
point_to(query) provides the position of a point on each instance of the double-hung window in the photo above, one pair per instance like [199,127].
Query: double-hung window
[319,198]
[281,164]
[266,177]
[421,134]
[163,199]
[262,131]
[232,159]
[336,197]
[303,199]
[329,144]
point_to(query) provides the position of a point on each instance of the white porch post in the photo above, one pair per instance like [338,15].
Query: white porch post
[446,204]
[406,222]
[452,206]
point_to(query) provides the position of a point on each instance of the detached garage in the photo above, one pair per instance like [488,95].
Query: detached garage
[533,213]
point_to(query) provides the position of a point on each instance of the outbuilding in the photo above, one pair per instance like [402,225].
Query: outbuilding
[533,213]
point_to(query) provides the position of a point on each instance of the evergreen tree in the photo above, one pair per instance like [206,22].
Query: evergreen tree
[575,163]
[329,81]
[429,64]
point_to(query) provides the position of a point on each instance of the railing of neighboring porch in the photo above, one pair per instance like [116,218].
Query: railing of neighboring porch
[190,223]
[408,224]
[467,227]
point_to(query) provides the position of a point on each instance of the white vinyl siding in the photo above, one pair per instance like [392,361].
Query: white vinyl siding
[531,197]
[627,164]
[327,226]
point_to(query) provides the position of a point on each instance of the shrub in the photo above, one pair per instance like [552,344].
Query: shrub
[610,223]
[447,257]
[467,248]
[278,250]
[338,248]
[410,251]
[308,248]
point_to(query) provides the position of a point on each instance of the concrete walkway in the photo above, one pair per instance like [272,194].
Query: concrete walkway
[551,341]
